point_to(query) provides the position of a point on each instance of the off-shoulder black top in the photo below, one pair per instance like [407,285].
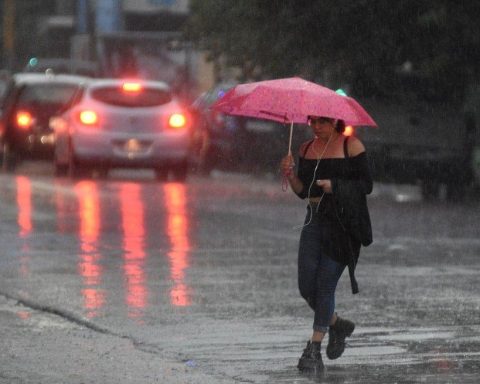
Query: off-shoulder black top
[351,168]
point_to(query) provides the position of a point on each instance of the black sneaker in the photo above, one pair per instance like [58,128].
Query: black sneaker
[311,359]
[337,334]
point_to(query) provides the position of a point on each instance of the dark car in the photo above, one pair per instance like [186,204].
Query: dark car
[430,138]
[214,132]
[29,102]
[239,144]
[4,80]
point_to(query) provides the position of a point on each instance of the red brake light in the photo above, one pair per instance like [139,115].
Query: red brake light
[88,117]
[132,87]
[177,120]
[24,119]
[348,130]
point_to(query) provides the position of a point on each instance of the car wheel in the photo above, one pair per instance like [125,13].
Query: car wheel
[180,171]
[102,172]
[161,173]
[430,189]
[61,169]
[77,170]
[456,192]
[80,172]
[9,158]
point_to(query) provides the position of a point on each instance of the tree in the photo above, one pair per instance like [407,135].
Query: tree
[26,19]
[362,42]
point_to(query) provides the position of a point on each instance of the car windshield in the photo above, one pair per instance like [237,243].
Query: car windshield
[47,94]
[142,97]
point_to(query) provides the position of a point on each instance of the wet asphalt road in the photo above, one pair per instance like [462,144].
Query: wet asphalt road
[127,280]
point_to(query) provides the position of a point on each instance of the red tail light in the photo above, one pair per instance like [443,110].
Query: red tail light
[88,117]
[349,130]
[131,87]
[177,120]
[24,119]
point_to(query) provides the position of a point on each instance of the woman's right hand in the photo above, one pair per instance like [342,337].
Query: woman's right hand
[287,164]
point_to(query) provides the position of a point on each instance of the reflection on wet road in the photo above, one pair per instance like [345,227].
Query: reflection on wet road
[91,213]
[205,272]
[134,255]
[89,266]
[177,232]
[24,206]
[24,220]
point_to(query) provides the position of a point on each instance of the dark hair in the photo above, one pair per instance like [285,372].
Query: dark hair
[331,120]
[340,126]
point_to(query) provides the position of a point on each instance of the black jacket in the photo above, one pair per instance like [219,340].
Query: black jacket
[351,206]
[351,203]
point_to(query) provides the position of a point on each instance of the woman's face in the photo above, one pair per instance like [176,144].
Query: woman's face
[322,127]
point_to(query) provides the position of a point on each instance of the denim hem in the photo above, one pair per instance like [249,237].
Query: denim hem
[320,328]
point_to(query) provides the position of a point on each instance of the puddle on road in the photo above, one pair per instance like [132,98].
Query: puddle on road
[374,355]
[430,372]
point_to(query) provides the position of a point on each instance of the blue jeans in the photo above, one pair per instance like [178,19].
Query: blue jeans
[318,272]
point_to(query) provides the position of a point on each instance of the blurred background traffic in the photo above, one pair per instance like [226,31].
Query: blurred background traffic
[412,64]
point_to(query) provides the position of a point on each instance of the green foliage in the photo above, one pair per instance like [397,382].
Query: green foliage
[362,42]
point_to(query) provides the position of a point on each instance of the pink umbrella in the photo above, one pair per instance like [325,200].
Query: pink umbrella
[291,100]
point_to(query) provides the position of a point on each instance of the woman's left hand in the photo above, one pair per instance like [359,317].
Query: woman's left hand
[326,185]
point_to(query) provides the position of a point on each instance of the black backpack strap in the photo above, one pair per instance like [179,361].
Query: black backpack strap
[308,146]
[345,147]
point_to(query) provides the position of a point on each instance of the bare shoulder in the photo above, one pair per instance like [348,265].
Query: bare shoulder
[355,146]
[303,147]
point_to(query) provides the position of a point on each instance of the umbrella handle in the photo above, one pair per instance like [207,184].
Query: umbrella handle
[285,180]
[290,139]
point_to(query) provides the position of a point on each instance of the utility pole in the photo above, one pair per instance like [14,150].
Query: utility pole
[9,33]
[82,27]
[82,42]
[108,16]
[108,21]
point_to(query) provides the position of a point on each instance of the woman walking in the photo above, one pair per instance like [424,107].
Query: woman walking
[333,174]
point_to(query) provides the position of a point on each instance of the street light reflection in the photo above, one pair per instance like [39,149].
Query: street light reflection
[177,232]
[24,220]
[24,203]
[132,210]
[88,266]
[92,211]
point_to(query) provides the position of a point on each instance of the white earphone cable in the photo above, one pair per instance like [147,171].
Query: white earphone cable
[312,182]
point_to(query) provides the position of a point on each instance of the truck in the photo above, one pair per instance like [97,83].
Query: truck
[425,136]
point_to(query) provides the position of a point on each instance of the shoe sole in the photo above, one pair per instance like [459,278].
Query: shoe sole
[306,366]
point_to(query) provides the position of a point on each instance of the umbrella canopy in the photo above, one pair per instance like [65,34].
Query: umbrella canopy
[291,100]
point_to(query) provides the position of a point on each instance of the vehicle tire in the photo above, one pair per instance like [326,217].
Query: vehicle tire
[77,170]
[456,192]
[210,161]
[430,189]
[161,173]
[80,172]
[102,172]
[180,171]
[61,170]
[9,158]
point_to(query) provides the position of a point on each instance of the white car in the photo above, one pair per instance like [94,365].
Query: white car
[114,123]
